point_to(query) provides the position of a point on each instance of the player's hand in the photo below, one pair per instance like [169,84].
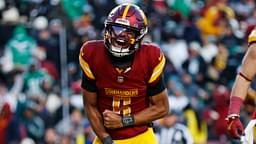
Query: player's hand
[235,127]
[112,120]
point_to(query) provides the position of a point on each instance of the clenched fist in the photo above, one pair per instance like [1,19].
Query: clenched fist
[112,120]
[235,127]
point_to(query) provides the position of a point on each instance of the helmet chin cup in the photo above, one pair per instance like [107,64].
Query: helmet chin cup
[119,52]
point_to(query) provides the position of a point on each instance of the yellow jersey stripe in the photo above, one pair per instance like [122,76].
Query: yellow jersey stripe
[126,11]
[157,70]
[86,68]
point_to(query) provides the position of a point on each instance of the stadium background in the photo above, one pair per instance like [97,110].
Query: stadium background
[40,99]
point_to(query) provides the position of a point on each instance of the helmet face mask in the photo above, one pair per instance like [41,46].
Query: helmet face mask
[125,27]
[121,40]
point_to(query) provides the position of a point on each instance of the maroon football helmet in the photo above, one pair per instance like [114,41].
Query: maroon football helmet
[125,27]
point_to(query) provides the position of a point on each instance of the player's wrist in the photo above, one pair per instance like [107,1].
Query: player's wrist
[128,120]
[107,140]
[235,105]
[232,117]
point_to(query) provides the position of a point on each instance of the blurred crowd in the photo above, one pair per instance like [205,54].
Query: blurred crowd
[203,40]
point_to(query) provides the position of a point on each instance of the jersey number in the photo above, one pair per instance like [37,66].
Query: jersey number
[122,105]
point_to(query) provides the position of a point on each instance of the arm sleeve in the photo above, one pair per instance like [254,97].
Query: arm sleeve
[88,84]
[88,79]
[156,88]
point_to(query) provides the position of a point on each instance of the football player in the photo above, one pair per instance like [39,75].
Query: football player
[122,83]
[239,91]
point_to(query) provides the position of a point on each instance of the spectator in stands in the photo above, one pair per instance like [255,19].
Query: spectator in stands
[173,132]
[72,126]
[19,50]
[5,119]
[195,64]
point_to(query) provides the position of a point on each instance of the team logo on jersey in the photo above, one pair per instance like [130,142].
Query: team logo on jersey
[120,79]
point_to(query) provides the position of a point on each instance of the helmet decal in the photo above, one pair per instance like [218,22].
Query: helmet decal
[126,11]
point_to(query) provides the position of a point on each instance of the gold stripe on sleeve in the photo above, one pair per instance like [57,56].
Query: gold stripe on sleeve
[86,68]
[157,70]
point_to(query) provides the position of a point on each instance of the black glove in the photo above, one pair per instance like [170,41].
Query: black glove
[108,140]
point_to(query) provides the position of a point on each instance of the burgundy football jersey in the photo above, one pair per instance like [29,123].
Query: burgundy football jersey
[122,90]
